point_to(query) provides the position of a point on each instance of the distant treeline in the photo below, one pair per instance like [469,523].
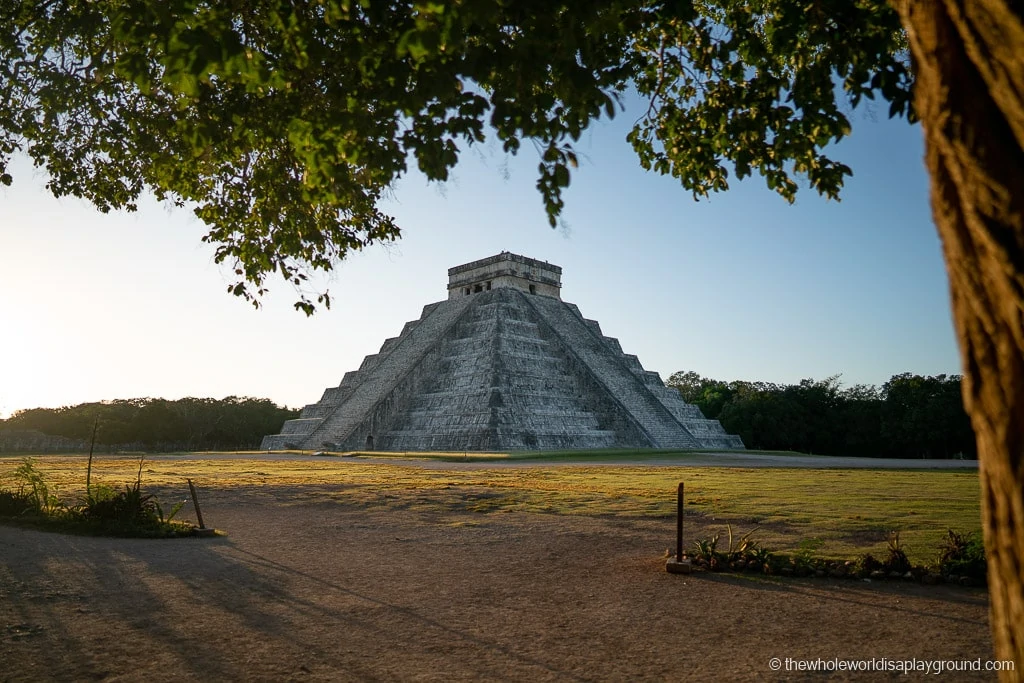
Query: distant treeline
[909,416]
[155,424]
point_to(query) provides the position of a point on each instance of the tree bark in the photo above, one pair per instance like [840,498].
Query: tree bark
[969,92]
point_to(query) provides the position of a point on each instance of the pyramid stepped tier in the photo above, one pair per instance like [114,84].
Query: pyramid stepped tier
[331,421]
[709,433]
[502,364]
[584,339]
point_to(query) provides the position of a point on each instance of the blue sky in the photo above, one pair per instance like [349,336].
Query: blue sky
[739,286]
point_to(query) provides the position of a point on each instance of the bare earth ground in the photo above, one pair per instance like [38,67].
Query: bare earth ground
[308,588]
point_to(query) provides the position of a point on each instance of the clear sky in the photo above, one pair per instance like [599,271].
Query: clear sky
[740,286]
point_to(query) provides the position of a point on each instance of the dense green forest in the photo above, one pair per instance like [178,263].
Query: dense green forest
[152,424]
[909,416]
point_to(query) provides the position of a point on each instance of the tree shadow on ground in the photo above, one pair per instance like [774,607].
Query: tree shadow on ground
[84,607]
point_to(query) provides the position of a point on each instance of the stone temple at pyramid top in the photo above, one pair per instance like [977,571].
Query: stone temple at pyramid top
[505,270]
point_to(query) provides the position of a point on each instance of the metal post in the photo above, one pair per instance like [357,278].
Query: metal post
[195,502]
[679,524]
[679,564]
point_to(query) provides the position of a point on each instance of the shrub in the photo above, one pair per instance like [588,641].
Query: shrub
[963,555]
[15,503]
[705,551]
[804,560]
[130,506]
[743,555]
[34,488]
[897,560]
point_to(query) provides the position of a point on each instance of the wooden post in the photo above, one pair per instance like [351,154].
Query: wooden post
[195,502]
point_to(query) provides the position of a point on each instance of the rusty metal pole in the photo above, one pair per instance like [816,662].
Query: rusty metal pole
[679,524]
[195,502]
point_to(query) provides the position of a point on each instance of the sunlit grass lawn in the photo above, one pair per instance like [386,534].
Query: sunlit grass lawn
[851,511]
[659,455]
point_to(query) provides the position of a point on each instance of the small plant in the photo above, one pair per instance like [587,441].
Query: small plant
[15,503]
[963,555]
[130,506]
[866,564]
[705,551]
[34,488]
[745,545]
[804,560]
[170,516]
[897,560]
[761,558]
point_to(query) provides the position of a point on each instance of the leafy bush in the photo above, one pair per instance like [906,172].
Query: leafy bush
[963,555]
[130,506]
[15,503]
[34,488]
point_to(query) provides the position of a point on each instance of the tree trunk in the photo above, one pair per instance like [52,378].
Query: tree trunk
[969,92]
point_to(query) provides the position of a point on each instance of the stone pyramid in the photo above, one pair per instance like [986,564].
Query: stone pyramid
[502,364]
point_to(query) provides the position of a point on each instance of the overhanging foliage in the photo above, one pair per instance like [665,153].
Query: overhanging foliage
[283,125]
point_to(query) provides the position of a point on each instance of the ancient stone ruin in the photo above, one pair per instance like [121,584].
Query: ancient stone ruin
[502,364]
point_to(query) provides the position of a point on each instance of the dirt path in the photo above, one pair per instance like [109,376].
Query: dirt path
[307,590]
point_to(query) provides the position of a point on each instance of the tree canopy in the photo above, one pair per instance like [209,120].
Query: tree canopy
[910,416]
[283,124]
[189,424]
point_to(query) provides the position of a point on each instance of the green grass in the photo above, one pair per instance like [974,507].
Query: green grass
[582,455]
[32,501]
[851,511]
